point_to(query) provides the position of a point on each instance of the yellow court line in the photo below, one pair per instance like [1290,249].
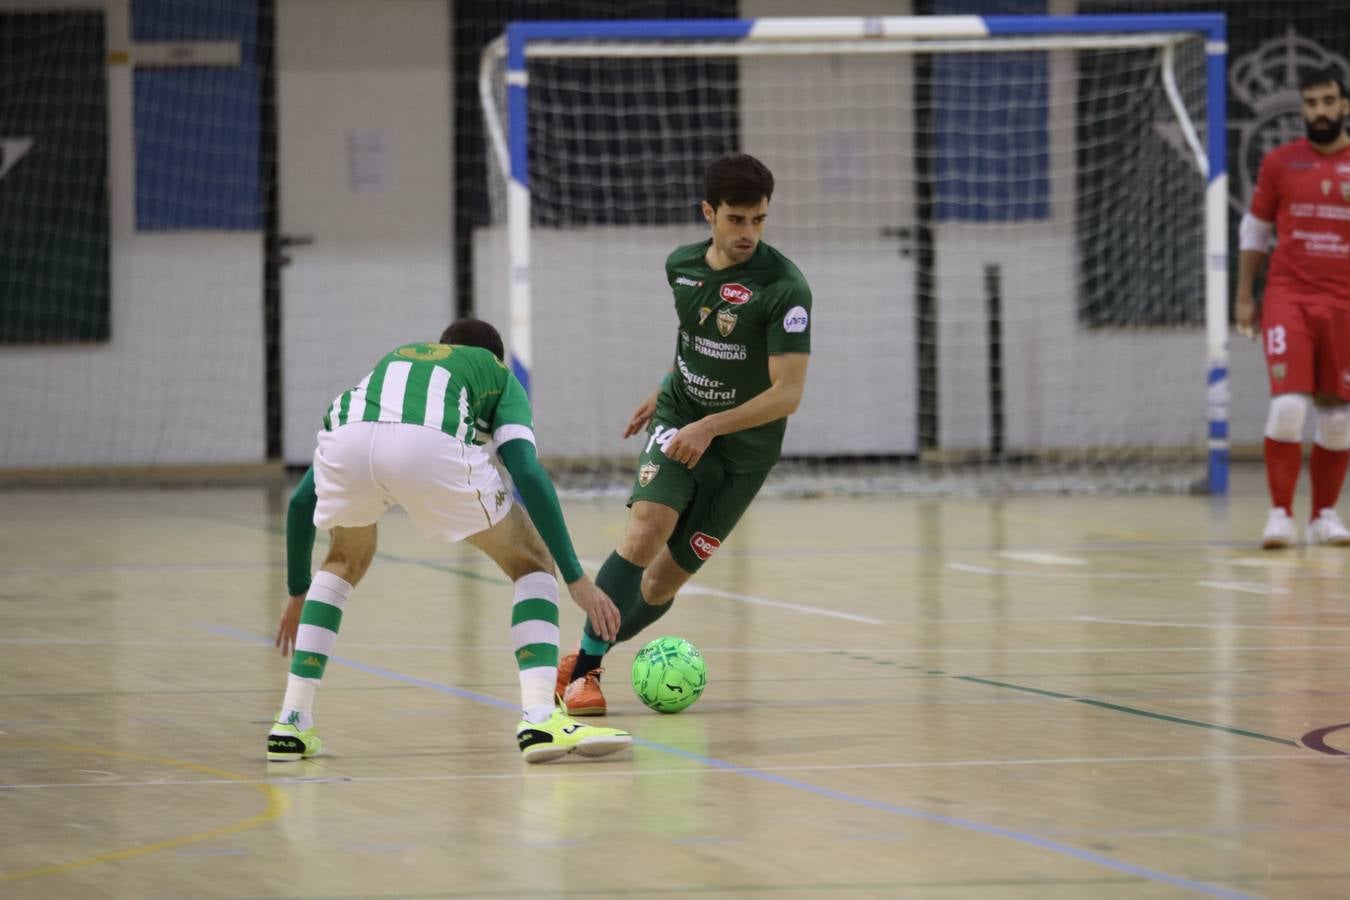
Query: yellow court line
[277,804]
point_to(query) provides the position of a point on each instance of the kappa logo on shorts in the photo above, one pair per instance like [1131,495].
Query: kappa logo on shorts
[704,545]
[647,473]
[736,294]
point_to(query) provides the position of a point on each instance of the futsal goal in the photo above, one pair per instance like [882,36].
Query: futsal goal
[1015,231]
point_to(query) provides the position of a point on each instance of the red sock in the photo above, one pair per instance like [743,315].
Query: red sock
[1327,470]
[1283,460]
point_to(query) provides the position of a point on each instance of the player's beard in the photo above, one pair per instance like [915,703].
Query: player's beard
[1323,130]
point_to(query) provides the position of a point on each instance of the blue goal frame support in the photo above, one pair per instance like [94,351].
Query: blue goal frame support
[1212,26]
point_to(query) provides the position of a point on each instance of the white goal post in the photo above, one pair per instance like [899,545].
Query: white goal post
[506,72]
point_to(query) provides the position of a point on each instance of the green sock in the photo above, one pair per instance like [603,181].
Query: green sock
[622,580]
[636,620]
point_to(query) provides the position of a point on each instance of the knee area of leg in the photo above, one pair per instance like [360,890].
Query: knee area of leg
[1287,414]
[1333,427]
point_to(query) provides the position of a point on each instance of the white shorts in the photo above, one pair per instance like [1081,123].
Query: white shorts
[449,488]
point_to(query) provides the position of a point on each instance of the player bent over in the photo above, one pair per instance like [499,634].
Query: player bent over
[715,426]
[406,435]
[1304,192]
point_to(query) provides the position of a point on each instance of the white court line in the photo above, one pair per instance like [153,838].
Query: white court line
[1213,626]
[1107,575]
[762,601]
[1246,587]
[691,770]
[1041,559]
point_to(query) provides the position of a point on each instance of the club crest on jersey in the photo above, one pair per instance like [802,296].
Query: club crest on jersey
[704,545]
[703,314]
[647,473]
[1326,186]
[736,294]
[1345,191]
[726,321]
[1278,371]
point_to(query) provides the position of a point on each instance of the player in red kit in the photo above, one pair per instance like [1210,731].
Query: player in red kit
[1303,195]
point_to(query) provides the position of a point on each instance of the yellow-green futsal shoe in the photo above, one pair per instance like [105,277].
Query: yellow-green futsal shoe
[286,743]
[562,734]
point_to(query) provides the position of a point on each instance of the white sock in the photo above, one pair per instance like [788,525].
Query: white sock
[536,692]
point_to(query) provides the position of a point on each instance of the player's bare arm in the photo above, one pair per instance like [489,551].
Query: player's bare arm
[787,377]
[1250,263]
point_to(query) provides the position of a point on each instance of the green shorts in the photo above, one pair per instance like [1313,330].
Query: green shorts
[709,499]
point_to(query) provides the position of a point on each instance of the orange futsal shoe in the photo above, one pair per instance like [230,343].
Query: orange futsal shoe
[565,667]
[583,696]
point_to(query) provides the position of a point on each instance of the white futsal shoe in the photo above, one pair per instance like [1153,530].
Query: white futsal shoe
[1328,528]
[1280,530]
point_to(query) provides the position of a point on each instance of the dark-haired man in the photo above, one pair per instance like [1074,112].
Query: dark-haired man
[715,425]
[1303,196]
[409,434]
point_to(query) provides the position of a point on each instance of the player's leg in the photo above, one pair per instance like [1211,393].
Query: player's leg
[1289,351]
[545,731]
[349,501]
[661,490]
[1331,442]
[710,520]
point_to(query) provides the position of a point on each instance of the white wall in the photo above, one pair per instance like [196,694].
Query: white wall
[181,380]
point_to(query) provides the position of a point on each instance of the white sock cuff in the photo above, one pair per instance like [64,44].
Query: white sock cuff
[329,588]
[1287,414]
[1333,428]
[537,585]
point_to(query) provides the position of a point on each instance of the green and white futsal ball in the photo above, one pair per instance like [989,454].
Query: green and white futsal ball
[669,674]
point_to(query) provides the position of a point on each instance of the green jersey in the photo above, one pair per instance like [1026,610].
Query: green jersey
[731,321]
[456,389]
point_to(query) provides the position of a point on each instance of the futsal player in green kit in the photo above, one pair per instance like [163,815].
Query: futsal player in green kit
[410,433]
[715,425]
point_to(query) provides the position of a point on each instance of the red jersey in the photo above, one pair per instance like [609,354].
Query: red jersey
[1306,194]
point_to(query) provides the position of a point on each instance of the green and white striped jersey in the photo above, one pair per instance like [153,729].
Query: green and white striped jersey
[456,389]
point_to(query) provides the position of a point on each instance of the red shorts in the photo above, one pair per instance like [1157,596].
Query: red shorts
[1307,344]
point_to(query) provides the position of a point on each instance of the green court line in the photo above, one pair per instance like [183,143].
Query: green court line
[1134,711]
[1089,701]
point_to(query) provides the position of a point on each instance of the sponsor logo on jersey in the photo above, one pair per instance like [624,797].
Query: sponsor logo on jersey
[736,294]
[703,314]
[726,321]
[681,281]
[647,473]
[1343,170]
[425,352]
[1278,371]
[704,545]
[719,349]
[796,320]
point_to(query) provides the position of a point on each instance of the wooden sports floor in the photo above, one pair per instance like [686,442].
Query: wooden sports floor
[1041,697]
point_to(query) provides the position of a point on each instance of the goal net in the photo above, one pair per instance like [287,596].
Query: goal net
[1004,224]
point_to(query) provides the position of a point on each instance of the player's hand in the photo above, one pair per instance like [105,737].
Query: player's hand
[1245,314]
[601,611]
[641,416]
[690,443]
[290,624]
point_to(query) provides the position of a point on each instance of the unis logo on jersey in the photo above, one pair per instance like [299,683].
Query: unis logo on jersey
[704,545]
[726,322]
[796,320]
[736,294]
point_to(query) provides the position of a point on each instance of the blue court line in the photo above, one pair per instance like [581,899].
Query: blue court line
[783,781]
